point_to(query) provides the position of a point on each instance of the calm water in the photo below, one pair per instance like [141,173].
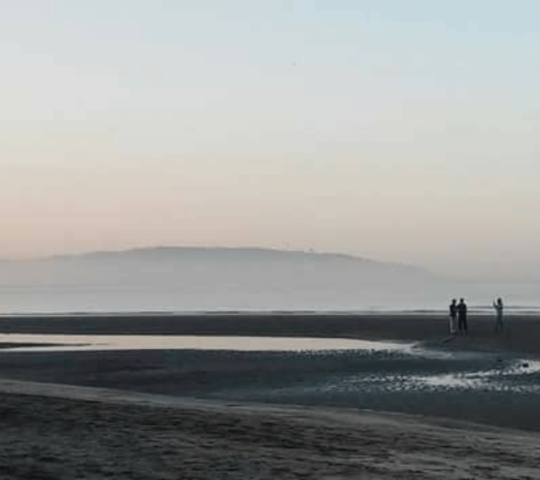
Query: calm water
[36,299]
[171,342]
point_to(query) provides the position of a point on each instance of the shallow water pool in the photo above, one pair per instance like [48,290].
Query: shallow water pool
[56,343]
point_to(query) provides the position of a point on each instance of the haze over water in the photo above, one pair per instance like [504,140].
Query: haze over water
[210,280]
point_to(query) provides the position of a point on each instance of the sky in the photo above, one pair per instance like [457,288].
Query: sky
[399,131]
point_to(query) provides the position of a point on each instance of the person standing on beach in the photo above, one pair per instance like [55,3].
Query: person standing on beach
[462,315]
[453,316]
[498,306]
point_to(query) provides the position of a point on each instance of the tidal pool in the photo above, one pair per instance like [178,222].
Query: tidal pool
[57,343]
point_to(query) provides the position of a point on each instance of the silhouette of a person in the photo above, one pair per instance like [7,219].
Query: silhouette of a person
[453,317]
[498,306]
[462,315]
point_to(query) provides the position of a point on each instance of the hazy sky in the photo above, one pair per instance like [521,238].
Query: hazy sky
[396,130]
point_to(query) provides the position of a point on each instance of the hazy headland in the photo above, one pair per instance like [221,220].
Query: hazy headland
[184,279]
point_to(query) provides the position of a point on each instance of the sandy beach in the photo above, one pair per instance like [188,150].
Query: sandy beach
[57,432]
[266,415]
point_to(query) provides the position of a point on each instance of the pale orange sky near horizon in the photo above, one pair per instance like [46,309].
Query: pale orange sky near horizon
[394,134]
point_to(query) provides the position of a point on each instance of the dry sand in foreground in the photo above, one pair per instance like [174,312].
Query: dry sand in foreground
[64,432]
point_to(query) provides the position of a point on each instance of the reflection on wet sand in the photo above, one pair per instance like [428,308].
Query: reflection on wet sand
[414,378]
[57,343]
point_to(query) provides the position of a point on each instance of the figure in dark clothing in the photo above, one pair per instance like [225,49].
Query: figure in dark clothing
[462,315]
[499,307]
[453,317]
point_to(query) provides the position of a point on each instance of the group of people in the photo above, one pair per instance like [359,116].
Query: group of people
[458,311]
[458,316]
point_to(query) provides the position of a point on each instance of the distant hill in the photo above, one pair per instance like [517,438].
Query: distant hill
[226,254]
[213,278]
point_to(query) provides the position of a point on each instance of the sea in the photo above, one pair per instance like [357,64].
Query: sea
[55,299]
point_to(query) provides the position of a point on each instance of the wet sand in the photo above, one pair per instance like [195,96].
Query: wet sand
[59,432]
[70,427]
[492,388]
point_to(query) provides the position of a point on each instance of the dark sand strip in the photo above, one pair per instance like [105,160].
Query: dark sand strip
[523,334]
[62,432]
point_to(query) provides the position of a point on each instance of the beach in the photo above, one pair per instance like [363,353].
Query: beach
[225,414]
[59,432]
